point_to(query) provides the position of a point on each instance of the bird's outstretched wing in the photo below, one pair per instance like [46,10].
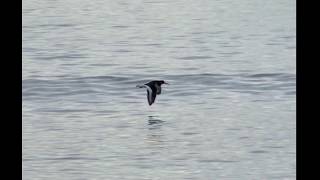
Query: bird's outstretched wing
[151,95]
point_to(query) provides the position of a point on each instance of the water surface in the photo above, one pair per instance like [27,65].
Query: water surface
[228,113]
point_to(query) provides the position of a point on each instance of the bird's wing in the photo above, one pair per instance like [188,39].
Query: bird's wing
[151,95]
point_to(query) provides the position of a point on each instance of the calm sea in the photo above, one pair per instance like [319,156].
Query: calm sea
[228,113]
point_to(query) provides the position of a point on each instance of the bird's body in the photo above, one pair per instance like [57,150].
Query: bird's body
[153,88]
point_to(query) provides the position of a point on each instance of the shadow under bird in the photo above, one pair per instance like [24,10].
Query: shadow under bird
[153,88]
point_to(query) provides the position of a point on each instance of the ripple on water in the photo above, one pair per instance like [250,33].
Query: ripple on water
[259,152]
[216,161]
[195,57]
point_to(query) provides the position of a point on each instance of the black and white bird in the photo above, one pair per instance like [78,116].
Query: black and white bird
[153,88]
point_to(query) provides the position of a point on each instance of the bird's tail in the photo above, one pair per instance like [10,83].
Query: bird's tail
[140,86]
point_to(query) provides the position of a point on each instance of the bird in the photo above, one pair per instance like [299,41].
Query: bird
[153,88]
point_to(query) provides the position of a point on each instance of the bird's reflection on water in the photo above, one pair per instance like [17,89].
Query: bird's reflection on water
[155,135]
[153,120]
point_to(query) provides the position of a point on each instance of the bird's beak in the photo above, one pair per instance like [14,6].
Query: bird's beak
[166,83]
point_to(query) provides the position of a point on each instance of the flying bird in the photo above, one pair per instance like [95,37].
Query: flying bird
[153,88]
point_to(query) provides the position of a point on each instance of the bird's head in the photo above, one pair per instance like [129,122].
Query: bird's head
[161,82]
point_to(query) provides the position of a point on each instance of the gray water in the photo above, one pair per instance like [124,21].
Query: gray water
[228,113]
